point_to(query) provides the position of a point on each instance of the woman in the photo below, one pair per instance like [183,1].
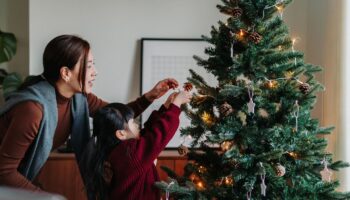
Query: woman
[47,109]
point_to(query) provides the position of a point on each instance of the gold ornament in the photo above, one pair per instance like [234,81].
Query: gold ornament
[243,117]
[207,119]
[280,170]
[278,106]
[263,113]
[271,84]
[226,109]
[183,150]
[289,75]
[226,145]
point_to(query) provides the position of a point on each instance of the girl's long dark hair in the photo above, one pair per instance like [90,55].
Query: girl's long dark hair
[62,51]
[106,122]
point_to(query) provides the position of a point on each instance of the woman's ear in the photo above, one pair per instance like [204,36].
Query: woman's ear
[65,73]
[121,134]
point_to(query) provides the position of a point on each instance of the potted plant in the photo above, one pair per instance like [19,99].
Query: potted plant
[9,82]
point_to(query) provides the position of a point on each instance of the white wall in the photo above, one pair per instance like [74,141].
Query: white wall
[343,148]
[114,28]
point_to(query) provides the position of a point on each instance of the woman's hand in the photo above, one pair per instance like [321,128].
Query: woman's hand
[161,88]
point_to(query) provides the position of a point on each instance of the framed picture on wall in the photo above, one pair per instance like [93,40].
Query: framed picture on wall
[171,58]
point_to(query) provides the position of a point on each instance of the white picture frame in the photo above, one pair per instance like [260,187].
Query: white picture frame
[171,58]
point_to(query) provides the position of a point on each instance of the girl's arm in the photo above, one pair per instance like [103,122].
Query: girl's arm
[158,131]
[24,121]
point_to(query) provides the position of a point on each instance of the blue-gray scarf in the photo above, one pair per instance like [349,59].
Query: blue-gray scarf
[39,150]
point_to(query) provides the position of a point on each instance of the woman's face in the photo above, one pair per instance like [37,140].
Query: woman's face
[89,77]
[90,73]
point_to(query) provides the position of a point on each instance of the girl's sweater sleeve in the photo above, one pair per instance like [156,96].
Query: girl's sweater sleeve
[157,133]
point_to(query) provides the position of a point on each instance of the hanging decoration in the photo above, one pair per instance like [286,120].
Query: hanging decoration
[251,104]
[263,186]
[296,114]
[326,174]
[208,119]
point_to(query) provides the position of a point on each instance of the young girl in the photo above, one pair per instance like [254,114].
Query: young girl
[129,151]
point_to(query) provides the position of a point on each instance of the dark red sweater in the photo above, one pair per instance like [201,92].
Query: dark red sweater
[134,172]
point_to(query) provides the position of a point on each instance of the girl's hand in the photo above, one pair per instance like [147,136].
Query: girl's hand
[170,99]
[182,97]
[161,88]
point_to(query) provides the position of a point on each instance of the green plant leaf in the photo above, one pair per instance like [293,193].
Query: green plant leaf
[8,46]
[11,83]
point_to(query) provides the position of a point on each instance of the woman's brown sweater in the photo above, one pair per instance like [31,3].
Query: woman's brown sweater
[19,126]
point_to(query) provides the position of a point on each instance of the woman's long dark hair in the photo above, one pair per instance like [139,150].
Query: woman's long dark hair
[106,122]
[63,50]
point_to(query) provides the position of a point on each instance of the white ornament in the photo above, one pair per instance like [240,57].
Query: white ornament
[167,190]
[263,186]
[296,114]
[326,173]
[251,106]
[216,112]
[249,195]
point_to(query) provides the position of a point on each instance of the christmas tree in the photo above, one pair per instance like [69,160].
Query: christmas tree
[254,134]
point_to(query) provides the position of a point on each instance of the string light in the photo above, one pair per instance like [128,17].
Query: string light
[226,145]
[293,155]
[294,41]
[241,33]
[201,169]
[200,185]
[228,180]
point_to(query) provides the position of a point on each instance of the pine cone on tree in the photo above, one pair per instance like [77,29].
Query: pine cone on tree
[188,87]
[280,170]
[304,88]
[183,150]
[226,109]
[255,37]
[236,12]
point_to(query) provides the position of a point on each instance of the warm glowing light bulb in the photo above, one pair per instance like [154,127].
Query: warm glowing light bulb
[226,145]
[200,184]
[279,8]
[241,33]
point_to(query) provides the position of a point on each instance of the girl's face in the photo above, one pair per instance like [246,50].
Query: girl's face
[131,132]
[89,78]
